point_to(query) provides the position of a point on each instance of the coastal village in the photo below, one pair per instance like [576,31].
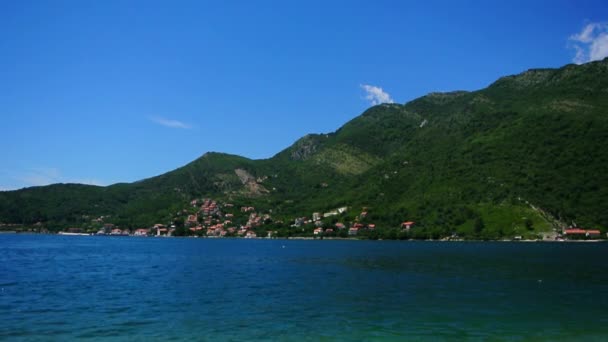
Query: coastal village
[210,218]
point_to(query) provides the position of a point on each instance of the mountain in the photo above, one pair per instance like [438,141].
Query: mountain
[525,154]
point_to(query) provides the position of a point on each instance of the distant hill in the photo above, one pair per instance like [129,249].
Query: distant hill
[527,153]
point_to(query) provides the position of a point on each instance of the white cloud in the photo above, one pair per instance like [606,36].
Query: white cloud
[586,35]
[591,44]
[170,123]
[375,95]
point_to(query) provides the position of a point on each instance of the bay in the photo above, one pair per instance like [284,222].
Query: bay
[139,289]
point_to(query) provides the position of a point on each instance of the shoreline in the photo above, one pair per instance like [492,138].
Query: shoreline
[305,238]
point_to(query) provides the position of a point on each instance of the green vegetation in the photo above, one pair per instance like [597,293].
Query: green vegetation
[518,158]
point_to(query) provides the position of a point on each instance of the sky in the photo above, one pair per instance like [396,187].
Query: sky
[100,92]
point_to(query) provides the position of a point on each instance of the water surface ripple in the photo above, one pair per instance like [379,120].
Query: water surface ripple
[141,289]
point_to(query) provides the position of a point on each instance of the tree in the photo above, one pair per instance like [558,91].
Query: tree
[529,224]
[478,225]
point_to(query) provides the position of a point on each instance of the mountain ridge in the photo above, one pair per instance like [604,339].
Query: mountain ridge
[522,137]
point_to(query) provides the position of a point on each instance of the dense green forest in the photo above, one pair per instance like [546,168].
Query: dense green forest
[526,154]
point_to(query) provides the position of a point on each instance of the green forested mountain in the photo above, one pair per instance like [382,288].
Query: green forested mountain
[528,151]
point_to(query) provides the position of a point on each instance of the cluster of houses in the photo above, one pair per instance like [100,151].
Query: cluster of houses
[109,229]
[353,229]
[207,217]
[209,220]
[246,231]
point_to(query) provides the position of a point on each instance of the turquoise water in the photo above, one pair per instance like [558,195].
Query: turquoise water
[126,288]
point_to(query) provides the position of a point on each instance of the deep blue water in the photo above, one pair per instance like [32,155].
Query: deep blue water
[126,288]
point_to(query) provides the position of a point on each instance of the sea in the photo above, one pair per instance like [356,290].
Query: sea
[101,288]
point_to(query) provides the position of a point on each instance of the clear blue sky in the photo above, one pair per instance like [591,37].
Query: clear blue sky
[115,91]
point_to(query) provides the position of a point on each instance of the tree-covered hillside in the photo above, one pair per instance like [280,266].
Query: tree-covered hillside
[525,154]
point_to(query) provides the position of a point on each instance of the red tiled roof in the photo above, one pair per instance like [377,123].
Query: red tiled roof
[575,231]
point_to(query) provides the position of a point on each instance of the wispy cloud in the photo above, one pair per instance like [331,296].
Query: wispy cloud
[43,176]
[591,44]
[169,122]
[375,95]
[39,176]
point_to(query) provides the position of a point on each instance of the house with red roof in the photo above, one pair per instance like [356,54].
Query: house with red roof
[575,231]
[141,232]
[192,220]
[116,231]
[407,225]
[579,233]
